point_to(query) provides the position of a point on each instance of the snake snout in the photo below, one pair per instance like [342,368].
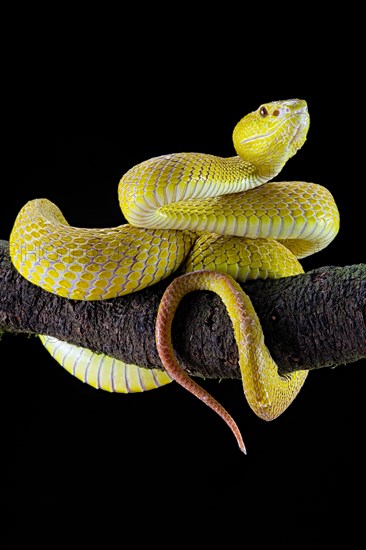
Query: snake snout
[295,106]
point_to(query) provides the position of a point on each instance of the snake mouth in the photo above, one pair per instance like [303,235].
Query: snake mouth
[262,136]
[301,121]
[297,133]
[297,118]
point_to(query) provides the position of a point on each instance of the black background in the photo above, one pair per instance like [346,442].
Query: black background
[70,136]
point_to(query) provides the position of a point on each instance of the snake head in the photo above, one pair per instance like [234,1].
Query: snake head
[272,134]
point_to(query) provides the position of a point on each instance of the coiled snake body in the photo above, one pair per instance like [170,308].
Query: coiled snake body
[217,219]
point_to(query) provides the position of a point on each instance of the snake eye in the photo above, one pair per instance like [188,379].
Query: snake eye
[263,111]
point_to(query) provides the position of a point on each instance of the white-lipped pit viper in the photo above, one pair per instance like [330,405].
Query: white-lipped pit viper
[218,219]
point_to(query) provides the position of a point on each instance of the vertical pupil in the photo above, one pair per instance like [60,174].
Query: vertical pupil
[263,111]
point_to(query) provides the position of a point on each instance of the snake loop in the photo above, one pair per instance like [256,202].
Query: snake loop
[216,219]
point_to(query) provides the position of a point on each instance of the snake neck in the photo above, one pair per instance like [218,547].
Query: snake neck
[148,190]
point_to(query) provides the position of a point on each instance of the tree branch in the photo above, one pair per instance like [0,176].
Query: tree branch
[312,320]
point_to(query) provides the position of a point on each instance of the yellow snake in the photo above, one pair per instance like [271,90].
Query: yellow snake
[216,219]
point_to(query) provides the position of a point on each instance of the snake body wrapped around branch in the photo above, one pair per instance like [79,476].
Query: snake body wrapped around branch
[217,219]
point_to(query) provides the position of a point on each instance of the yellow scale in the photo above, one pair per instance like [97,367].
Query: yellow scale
[190,210]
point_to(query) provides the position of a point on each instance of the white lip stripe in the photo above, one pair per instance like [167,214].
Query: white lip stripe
[267,134]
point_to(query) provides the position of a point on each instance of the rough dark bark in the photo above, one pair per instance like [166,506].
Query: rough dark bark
[313,320]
